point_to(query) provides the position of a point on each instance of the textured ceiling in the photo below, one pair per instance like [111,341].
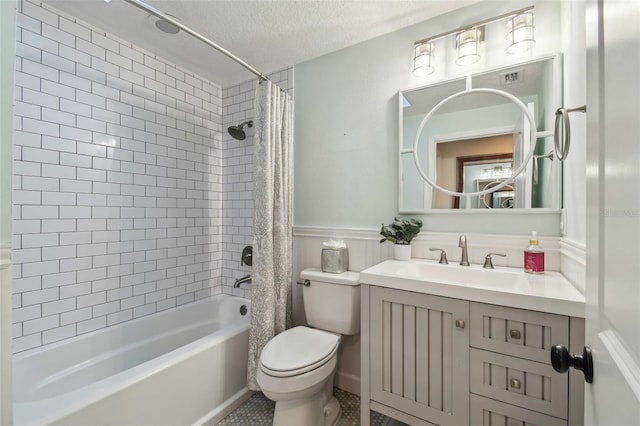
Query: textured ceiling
[267,34]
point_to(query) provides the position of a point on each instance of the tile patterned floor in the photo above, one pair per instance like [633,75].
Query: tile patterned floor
[258,411]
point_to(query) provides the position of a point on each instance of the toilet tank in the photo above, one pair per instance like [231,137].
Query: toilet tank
[332,301]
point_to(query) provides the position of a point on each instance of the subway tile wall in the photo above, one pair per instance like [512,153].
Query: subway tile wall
[237,179]
[118,173]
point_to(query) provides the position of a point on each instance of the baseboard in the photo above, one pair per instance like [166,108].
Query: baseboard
[347,382]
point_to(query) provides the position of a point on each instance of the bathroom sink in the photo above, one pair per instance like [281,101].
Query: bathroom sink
[463,275]
[548,292]
[423,272]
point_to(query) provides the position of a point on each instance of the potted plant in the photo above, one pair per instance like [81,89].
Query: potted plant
[401,232]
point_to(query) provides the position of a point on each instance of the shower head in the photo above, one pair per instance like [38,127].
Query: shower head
[236,131]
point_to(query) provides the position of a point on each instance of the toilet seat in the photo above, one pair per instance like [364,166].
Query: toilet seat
[297,351]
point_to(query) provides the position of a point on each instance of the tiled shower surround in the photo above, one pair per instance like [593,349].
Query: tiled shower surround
[119,181]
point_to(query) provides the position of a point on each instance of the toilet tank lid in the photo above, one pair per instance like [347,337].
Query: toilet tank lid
[316,274]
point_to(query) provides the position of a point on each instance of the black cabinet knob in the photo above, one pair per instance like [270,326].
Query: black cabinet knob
[562,360]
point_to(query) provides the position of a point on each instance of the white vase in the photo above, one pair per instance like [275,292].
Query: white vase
[402,251]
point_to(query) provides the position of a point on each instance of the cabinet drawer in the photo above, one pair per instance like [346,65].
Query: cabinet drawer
[517,332]
[517,381]
[488,412]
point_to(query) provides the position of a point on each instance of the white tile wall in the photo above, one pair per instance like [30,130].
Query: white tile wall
[118,179]
[237,179]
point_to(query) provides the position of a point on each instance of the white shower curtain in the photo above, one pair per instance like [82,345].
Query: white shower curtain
[272,221]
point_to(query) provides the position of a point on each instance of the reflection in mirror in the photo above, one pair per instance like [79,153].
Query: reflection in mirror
[480,124]
[479,172]
[452,156]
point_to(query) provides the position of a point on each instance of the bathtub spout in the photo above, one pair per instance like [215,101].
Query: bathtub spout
[245,279]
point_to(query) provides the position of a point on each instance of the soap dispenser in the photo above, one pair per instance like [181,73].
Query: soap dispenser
[534,256]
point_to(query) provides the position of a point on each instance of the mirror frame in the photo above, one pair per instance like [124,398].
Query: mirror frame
[556,99]
[533,133]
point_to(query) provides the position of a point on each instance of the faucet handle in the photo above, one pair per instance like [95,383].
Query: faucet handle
[443,256]
[488,263]
[246,258]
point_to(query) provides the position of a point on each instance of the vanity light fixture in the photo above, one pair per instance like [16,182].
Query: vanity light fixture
[423,58]
[520,38]
[468,46]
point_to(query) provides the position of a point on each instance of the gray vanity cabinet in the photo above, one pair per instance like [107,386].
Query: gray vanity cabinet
[432,360]
[420,355]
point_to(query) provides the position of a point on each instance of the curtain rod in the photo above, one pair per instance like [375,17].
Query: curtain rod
[152,10]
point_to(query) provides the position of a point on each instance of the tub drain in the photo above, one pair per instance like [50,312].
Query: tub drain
[243,310]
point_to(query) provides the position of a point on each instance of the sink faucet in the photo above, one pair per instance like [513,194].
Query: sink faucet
[464,261]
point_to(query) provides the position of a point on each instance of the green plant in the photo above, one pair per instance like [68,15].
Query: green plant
[401,231]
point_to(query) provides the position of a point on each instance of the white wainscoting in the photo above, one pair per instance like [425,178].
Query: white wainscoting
[365,249]
[573,263]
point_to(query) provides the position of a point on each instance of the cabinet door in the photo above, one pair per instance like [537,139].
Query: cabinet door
[420,355]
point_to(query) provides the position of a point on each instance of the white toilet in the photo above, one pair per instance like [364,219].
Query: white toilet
[297,366]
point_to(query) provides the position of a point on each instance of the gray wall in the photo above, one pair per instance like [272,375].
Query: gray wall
[346,125]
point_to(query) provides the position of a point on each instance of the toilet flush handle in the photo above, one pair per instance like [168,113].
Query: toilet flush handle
[305,283]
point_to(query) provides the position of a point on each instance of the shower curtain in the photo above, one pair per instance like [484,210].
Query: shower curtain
[272,221]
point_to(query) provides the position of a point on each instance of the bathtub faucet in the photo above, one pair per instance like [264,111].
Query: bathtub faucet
[245,279]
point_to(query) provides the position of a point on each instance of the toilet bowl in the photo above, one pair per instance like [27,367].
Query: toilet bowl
[296,371]
[297,366]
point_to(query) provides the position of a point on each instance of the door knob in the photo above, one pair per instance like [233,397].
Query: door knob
[562,360]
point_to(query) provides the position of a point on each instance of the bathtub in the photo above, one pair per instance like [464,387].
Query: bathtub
[182,366]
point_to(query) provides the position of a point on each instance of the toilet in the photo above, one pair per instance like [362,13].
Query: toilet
[297,366]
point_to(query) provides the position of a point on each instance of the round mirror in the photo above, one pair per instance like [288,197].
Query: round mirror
[496,168]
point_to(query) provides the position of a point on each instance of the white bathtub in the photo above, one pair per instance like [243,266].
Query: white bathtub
[182,366]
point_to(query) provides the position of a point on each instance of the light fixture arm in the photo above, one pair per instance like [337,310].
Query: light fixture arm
[477,24]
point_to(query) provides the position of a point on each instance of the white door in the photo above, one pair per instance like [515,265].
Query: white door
[613,211]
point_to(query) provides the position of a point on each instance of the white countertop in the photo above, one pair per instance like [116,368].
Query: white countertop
[548,292]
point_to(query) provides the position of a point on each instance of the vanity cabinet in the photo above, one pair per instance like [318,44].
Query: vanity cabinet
[433,360]
[420,355]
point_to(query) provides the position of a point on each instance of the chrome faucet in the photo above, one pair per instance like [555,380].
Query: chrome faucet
[245,279]
[462,243]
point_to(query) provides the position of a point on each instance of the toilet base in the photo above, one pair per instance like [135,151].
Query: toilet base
[305,412]
[331,412]
[315,408]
